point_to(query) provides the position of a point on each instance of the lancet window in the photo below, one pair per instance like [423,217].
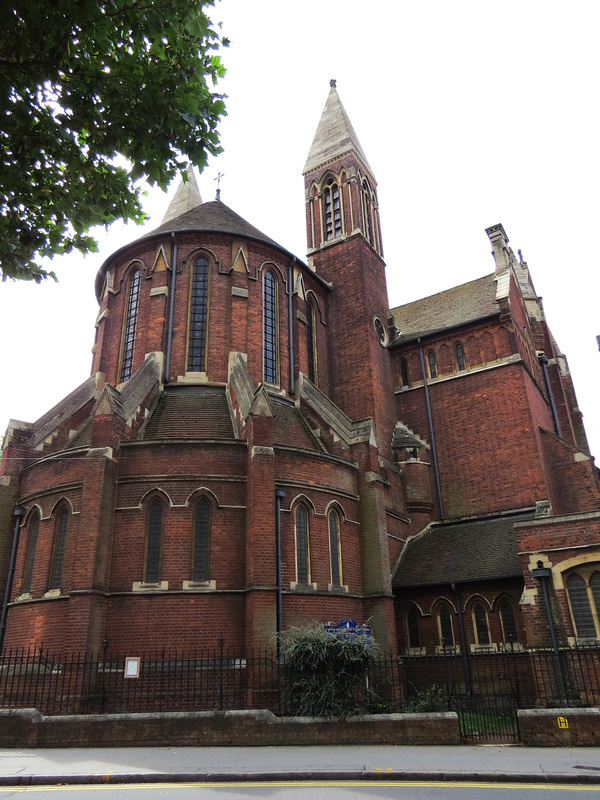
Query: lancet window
[480,622]
[446,628]
[333,211]
[198,317]
[335,550]
[30,552]
[202,521]
[509,623]
[59,548]
[311,340]
[583,589]
[270,328]
[302,546]
[133,301]
[154,535]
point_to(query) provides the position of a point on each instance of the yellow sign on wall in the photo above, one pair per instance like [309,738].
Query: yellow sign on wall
[563,722]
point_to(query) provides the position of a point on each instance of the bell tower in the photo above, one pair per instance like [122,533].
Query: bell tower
[345,248]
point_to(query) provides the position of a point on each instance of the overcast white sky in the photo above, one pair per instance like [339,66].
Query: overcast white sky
[470,113]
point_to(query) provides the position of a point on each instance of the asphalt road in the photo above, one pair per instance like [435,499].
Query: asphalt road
[312,790]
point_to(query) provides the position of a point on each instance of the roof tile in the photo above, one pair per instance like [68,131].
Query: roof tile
[461,551]
[455,306]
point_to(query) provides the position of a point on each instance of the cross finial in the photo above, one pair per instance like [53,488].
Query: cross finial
[333,83]
[218,180]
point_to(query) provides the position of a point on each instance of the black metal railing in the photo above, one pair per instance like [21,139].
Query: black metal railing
[221,679]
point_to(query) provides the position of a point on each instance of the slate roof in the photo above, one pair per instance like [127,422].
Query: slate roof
[455,306]
[83,438]
[190,412]
[461,551]
[214,217]
[290,429]
[202,412]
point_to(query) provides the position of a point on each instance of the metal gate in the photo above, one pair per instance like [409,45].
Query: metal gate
[488,723]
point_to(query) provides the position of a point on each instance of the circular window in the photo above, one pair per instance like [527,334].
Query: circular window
[380,331]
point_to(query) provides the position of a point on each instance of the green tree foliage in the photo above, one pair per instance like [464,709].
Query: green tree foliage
[83,82]
[324,674]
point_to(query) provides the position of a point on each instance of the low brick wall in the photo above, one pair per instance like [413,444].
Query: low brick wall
[29,728]
[560,727]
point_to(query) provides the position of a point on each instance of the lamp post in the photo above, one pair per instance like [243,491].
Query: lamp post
[543,574]
[18,514]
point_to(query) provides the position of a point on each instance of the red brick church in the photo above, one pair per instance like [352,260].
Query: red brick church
[263,442]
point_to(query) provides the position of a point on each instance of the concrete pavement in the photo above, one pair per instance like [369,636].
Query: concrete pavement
[20,767]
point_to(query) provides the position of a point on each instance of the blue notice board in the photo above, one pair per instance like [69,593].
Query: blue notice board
[350,629]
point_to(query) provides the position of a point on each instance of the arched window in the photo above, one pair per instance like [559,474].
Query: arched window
[595,587]
[302,546]
[198,317]
[34,525]
[446,628]
[460,356]
[509,623]
[58,549]
[333,211]
[480,623]
[413,628]
[201,546]
[367,211]
[335,553]
[133,301]
[269,328]
[311,341]
[432,367]
[581,608]
[154,534]
[404,372]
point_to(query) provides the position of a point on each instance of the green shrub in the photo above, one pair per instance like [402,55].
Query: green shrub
[325,675]
[434,698]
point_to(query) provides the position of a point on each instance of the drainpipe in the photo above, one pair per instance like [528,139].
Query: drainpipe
[543,574]
[543,359]
[430,418]
[279,495]
[463,643]
[18,514]
[290,325]
[171,306]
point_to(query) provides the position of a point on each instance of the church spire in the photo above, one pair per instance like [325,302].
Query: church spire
[186,197]
[341,196]
[335,136]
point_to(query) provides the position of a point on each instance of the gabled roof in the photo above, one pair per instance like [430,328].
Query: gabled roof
[456,306]
[472,550]
[335,136]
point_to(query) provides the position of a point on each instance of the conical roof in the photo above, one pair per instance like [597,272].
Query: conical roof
[335,136]
[186,197]
[214,217]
